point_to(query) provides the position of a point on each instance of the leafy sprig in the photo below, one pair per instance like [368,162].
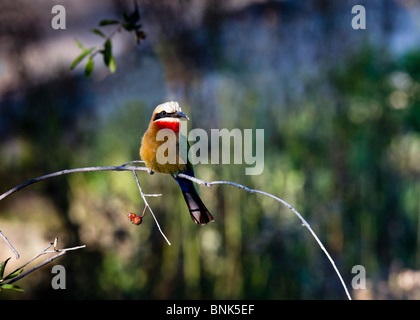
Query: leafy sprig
[6,286]
[130,23]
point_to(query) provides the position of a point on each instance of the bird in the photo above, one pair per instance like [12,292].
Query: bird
[167,116]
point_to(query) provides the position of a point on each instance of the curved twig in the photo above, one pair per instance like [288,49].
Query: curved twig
[123,167]
[304,222]
[59,253]
[10,245]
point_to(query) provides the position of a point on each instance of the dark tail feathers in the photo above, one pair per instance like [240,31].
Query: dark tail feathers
[198,211]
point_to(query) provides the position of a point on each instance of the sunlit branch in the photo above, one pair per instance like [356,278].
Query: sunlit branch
[10,245]
[59,253]
[123,167]
[129,167]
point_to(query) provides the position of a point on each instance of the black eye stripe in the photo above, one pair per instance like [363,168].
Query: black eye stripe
[163,114]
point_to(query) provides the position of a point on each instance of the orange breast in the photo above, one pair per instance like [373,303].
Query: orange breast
[150,146]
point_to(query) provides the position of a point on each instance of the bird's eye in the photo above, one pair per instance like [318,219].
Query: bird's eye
[163,113]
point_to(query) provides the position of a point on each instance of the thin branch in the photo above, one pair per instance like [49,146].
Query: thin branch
[102,46]
[60,252]
[37,267]
[123,167]
[35,257]
[304,222]
[10,245]
[147,205]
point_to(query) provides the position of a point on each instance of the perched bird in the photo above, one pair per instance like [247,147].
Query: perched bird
[167,116]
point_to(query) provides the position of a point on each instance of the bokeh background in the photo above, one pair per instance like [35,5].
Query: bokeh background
[341,113]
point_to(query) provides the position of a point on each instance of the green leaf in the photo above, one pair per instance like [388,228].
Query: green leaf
[2,267]
[107,52]
[14,274]
[80,58]
[89,67]
[126,17]
[128,26]
[112,65]
[107,22]
[133,17]
[79,44]
[98,32]
[10,287]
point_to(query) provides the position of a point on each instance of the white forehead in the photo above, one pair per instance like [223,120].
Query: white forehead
[169,107]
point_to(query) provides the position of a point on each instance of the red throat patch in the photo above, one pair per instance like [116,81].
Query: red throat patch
[173,125]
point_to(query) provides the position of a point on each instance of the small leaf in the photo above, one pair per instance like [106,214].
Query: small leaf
[14,274]
[79,44]
[134,17]
[10,287]
[112,65]
[107,52]
[107,22]
[89,67]
[2,267]
[128,26]
[80,58]
[98,32]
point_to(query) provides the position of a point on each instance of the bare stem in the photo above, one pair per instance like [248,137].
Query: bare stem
[147,206]
[10,245]
[59,253]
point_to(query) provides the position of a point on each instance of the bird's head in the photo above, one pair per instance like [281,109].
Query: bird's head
[167,115]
